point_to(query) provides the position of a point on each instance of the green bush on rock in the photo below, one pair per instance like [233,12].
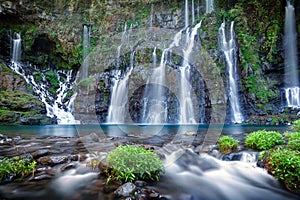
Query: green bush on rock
[132,162]
[293,140]
[263,140]
[284,165]
[296,126]
[16,167]
[227,144]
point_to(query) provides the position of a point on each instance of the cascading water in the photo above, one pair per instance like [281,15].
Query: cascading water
[193,12]
[186,104]
[16,50]
[55,105]
[119,96]
[186,13]
[86,46]
[120,46]
[209,6]
[229,49]
[292,89]
[155,110]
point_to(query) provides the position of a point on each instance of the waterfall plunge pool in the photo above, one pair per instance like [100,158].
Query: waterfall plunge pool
[75,130]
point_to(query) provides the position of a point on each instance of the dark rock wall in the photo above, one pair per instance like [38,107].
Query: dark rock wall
[52,35]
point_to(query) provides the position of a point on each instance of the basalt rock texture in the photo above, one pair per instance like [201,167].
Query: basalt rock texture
[17,104]
[52,39]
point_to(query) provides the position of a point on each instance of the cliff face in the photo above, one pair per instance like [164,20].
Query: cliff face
[51,33]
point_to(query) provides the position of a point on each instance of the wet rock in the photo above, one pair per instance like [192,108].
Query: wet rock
[140,183]
[27,156]
[152,194]
[42,169]
[103,165]
[4,139]
[30,121]
[42,177]
[190,133]
[53,160]
[68,166]
[17,139]
[39,153]
[91,138]
[125,189]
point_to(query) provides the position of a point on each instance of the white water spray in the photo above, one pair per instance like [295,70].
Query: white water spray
[229,49]
[292,89]
[209,6]
[186,13]
[86,46]
[16,52]
[119,96]
[186,104]
[55,105]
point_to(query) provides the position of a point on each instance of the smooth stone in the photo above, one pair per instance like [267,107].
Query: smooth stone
[39,153]
[125,189]
[53,160]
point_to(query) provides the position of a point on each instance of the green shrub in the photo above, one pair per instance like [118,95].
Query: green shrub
[263,140]
[132,162]
[293,140]
[296,126]
[19,168]
[227,144]
[284,165]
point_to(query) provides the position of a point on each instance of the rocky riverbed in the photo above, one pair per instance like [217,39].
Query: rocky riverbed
[67,168]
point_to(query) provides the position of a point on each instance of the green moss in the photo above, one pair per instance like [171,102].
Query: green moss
[52,79]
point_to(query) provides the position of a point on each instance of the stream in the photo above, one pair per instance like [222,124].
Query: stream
[64,153]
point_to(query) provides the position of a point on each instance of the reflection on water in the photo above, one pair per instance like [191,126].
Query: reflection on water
[138,130]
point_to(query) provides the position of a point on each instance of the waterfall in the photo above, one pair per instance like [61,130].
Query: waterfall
[292,95]
[193,12]
[16,49]
[229,49]
[209,6]
[151,15]
[186,13]
[86,47]
[120,46]
[119,95]
[155,110]
[55,105]
[186,104]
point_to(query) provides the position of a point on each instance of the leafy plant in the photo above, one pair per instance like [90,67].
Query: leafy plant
[16,167]
[284,165]
[227,144]
[263,140]
[296,126]
[132,162]
[293,140]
